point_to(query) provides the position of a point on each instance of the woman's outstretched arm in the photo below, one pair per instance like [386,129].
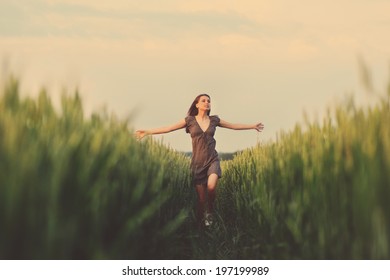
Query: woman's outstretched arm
[142,133]
[258,126]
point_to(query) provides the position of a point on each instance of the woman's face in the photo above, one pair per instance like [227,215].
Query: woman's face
[204,103]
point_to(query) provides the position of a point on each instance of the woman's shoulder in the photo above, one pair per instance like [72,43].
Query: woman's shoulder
[215,118]
[189,119]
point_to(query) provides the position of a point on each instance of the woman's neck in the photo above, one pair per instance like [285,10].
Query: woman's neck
[202,115]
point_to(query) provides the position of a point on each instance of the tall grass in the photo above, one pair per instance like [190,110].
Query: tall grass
[77,188]
[321,191]
[73,187]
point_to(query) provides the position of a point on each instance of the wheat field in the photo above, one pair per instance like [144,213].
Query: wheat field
[76,187]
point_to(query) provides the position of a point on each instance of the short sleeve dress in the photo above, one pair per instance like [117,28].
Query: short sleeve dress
[205,160]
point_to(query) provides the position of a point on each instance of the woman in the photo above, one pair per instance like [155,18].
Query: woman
[205,164]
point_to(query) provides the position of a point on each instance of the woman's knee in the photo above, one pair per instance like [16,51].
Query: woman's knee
[212,182]
[201,191]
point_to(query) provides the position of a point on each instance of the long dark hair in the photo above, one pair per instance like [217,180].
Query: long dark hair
[193,111]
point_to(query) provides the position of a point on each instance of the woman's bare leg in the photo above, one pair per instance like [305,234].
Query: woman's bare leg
[211,189]
[201,190]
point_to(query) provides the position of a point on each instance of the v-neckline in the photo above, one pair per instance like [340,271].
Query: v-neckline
[204,131]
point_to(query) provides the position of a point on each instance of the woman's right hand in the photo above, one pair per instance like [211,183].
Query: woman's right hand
[139,134]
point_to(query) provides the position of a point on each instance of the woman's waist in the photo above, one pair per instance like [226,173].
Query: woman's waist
[202,158]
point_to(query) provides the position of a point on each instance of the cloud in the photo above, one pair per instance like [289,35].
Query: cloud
[90,19]
[261,29]
[317,25]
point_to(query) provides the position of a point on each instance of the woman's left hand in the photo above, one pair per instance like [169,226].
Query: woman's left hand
[259,127]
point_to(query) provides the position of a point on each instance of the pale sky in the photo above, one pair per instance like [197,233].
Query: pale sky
[259,60]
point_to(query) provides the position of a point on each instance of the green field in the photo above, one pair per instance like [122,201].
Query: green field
[73,187]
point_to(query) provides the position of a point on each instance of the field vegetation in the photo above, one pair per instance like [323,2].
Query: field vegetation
[77,187]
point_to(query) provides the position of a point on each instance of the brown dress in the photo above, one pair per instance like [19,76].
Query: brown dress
[205,159]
